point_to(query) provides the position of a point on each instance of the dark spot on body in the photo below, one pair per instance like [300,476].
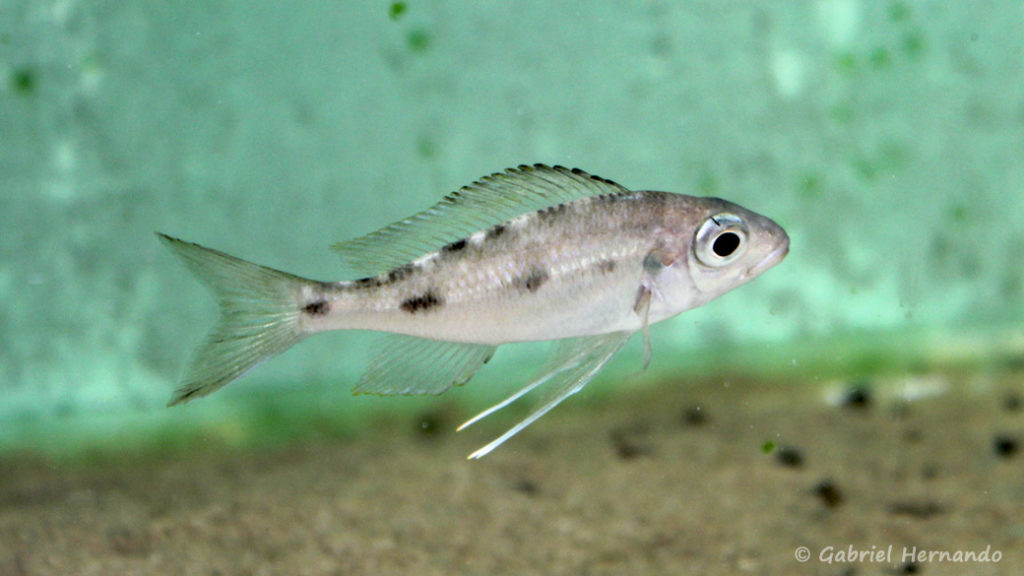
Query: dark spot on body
[533,280]
[423,302]
[606,266]
[455,246]
[372,282]
[317,308]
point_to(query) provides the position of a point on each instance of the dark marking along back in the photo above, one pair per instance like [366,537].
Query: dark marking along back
[400,273]
[421,303]
[496,231]
[455,246]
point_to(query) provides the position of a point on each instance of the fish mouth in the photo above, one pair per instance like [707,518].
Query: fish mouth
[773,258]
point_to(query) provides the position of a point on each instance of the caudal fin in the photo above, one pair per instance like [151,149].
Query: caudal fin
[259,317]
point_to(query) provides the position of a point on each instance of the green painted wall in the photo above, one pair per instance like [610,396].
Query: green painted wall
[887,137]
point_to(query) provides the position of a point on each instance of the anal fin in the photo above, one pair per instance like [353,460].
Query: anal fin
[407,365]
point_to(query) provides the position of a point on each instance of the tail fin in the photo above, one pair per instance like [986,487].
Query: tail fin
[259,317]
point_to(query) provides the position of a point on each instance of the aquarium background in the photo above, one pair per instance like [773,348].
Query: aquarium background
[886,137]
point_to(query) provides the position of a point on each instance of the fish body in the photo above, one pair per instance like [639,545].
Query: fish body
[529,254]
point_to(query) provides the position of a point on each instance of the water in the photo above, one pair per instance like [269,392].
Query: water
[886,137]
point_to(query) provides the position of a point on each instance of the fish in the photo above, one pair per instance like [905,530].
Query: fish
[532,253]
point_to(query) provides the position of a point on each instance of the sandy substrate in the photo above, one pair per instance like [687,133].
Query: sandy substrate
[682,479]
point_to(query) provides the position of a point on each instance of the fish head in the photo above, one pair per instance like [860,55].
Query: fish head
[719,246]
[731,246]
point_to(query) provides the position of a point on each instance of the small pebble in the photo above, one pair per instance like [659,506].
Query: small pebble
[526,486]
[923,509]
[430,424]
[912,435]
[694,415]
[1012,402]
[829,493]
[929,471]
[1005,446]
[906,568]
[901,410]
[126,541]
[857,396]
[790,457]
[629,443]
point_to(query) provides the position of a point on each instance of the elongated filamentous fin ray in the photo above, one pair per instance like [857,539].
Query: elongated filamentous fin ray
[259,317]
[573,363]
[406,365]
[643,309]
[490,201]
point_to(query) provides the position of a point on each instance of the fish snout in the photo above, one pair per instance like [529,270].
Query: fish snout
[773,257]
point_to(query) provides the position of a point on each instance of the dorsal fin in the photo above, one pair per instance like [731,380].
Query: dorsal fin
[489,201]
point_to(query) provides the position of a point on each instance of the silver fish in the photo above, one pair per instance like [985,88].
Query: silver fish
[532,253]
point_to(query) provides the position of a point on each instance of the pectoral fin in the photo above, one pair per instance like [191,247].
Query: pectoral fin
[643,309]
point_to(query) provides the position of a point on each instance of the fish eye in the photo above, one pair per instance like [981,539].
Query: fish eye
[720,240]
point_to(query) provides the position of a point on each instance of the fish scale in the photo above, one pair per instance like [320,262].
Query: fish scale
[529,254]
